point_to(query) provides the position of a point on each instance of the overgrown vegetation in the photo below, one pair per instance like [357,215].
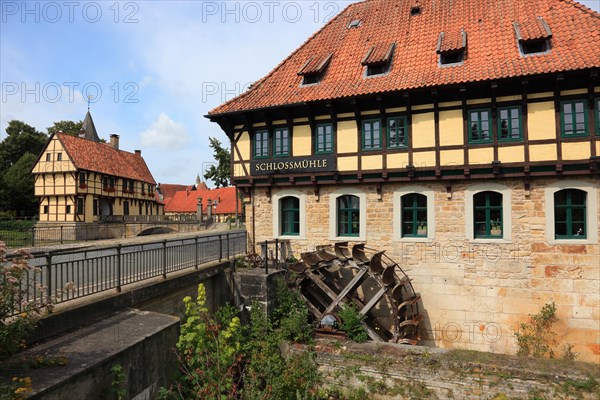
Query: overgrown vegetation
[16,293]
[118,389]
[352,323]
[221,359]
[537,339]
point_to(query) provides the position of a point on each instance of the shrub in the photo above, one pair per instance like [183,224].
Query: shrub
[537,339]
[291,315]
[209,350]
[19,313]
[352,323]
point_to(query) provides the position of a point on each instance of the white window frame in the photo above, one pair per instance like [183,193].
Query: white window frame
[591,211]
[275,199]
[506,193]
[397,214]
[362,230]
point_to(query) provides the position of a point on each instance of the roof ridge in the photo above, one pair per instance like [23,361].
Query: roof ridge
[256,84]
[582,7]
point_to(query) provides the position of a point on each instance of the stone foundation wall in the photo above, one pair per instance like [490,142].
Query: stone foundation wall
[474,292]
[391,371]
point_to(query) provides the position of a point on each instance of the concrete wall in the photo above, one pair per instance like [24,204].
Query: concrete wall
[140,343]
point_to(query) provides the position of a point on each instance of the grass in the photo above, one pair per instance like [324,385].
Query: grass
[15,238]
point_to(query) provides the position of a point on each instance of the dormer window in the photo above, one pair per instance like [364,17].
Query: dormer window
[533,36]
[313,70]
[451,48]
[379,59]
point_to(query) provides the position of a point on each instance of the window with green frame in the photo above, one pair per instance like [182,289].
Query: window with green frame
[290,216]
[371,134]
[570,214]
[414,215]
[281,142]
[348,211]
[324,139]
[479,126]
[397,132]
[509,123]
[487,214]
[573,118]
[261,144]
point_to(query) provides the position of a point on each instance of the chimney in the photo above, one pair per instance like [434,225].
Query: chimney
[138,152]
[114,141]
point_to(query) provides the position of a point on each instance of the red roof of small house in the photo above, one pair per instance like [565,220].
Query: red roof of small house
[492,50]
[168,190]
[101,157]
[187,201]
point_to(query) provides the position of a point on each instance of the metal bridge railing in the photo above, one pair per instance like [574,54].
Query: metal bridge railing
[76,273]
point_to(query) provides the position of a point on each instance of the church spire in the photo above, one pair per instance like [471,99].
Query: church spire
[89,129]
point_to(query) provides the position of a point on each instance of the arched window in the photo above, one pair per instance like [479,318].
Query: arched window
[348,212]
[570,214]
[414,215]
[290,215]
[487,215]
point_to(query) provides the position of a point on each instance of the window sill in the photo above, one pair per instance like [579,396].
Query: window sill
[572,241]
[415,239]
[574,135]
[291,237]
[348,238]
[490,240]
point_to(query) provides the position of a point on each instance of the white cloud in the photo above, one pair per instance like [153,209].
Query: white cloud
[165,133]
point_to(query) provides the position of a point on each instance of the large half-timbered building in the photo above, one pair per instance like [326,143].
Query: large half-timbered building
[80,179]
[461,136]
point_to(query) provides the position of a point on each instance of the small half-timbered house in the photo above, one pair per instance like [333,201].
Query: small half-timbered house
[80,179]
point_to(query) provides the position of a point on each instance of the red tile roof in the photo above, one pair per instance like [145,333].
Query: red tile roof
[492,49]
[101,157]
[168,190]
[187,201]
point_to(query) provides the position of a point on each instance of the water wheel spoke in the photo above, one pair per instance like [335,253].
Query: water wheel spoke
[374,300]
[354,283]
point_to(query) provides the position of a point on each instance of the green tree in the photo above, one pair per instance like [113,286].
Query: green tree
[15,196]
[69,127]
[19,187]
[21,138]
[219,174]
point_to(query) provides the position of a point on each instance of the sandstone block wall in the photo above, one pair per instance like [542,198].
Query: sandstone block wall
[474,292]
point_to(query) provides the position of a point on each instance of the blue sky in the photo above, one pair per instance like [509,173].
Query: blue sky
[154,68]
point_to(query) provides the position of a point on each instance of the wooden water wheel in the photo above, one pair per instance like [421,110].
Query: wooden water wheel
[330,278]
